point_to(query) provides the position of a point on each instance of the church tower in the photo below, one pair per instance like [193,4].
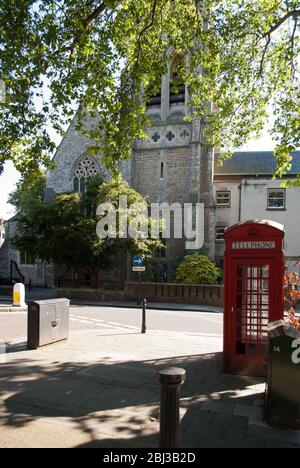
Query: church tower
[172,165]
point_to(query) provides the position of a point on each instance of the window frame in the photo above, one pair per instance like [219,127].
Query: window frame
[181,91]
[28,259]
[276,208]
[222,205]
[162,170]
[80,180]
[155,102]
[216,233]
[79,185]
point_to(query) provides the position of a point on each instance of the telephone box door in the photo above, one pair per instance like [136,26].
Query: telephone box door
[251,305]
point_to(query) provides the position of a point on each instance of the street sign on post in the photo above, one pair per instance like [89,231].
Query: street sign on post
[138,264]
[138,267]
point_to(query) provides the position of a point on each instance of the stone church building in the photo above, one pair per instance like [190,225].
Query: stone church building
[172,165]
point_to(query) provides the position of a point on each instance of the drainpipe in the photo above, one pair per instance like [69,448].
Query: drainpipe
[240,201]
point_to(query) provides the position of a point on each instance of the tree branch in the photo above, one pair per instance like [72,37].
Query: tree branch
[142,32]
[139,40]
[88,21]
[293,46]
[281,21]
[264,55]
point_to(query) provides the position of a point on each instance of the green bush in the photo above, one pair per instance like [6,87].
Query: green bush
[197,269]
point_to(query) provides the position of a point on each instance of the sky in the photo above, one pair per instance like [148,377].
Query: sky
[10,176]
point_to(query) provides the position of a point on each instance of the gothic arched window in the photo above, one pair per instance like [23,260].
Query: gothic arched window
[177,85]
[84,170]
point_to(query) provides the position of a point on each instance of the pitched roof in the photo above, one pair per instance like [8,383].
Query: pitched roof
[254,163]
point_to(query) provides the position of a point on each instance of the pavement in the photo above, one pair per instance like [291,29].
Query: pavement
[99,389]
[4,308]
[157,306]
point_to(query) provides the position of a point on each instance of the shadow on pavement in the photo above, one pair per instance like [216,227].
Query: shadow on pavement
[117,405]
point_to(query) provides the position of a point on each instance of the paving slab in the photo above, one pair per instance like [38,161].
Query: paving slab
[96,390]
[155,306]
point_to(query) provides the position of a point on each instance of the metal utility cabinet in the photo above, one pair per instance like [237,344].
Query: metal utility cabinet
[283,386]
[48,322]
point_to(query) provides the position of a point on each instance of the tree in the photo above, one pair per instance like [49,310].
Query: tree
[292,296]
[105,58]
[64,230]
[197,269]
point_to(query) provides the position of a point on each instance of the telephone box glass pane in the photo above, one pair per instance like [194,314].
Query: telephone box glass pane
[252,309]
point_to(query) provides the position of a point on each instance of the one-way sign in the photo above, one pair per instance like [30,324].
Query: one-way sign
[138,264]
[138,261]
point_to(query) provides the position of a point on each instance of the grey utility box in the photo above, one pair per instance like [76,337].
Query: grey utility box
[48,322]
[283,386]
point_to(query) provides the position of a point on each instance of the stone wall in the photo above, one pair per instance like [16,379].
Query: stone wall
[153,292]
[90,295]
[73,146]
[173,187]
[178,293]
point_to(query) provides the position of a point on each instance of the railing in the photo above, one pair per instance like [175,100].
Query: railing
[15,273]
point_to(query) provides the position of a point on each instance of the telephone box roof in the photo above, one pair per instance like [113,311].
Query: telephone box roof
[265,222]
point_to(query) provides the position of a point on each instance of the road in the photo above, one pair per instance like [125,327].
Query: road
[13,326]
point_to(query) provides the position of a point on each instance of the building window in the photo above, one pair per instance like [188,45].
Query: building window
[276,199]
[84,170]
[177,91]
[220,231]
[26,259]
[224,199]
[162,170]
[161,252]
[155,100]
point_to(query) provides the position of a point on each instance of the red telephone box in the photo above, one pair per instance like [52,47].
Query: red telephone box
[254,295]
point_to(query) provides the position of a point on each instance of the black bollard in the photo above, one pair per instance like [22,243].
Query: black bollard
[144,327]
[171,380]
